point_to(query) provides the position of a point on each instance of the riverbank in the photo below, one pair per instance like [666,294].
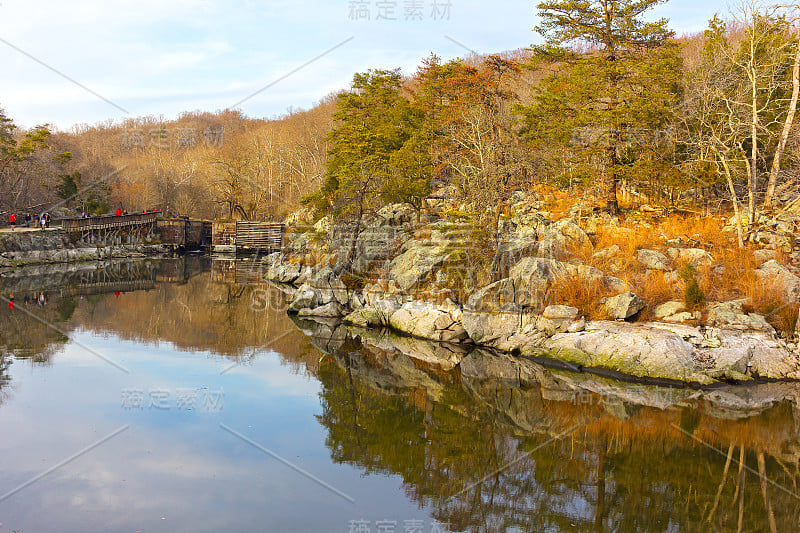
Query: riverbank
[23,248]
[552,299]
[413,358]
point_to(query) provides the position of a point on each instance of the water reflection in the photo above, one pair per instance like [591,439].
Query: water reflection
[479,441]
[182,301]
[507,444]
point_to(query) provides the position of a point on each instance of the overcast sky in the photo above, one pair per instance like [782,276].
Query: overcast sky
[86,61]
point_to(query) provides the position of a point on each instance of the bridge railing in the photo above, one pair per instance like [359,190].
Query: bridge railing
[107,221]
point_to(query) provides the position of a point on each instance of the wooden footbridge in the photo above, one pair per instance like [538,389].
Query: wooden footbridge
[179,232]
[136,228]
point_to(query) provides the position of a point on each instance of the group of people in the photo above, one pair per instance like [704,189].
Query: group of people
[42,220]
[41,299]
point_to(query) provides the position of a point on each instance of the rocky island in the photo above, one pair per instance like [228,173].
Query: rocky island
[551,299]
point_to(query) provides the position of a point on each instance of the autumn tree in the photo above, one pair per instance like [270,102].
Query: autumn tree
[739,102]
[475,144]
[27,164]
[613,72]
[376,152]
[760,62]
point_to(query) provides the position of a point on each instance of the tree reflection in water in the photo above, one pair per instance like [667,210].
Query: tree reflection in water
[482,452]
[487,442]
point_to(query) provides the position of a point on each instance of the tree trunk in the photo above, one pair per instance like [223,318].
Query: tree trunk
[740,489]
[787,127]
[753,174]
[612,206]
[751,196]
[731,447]
[762,473]
[735,200]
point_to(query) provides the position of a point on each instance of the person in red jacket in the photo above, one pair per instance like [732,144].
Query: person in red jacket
[119,212]
[12,219]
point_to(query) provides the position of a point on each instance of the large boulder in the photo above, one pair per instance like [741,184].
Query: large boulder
[376,239]
[763,255]
[667,309]
[304,298]
[560,236]
[694,256]
[505,313]
[572,234]
[731,315]
[440,323]
[560,312]
[557,318]
[496,297]
[277,269]
[364,317]
[740,355]
[774,274]
[507,331]
[523,242]
[606,253]
[624,306]
[635,350]
[533,278]
[329,287]
[416,265]
[653,259]
[678,352]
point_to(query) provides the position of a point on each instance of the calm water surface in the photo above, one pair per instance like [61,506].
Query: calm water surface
[178,396]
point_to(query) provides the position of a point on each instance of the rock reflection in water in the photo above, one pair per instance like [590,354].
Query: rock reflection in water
[498,442]
[486,442]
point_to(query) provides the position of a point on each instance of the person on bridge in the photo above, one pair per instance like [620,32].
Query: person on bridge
[42,220]
[119,211]
[27,220]
[12,219]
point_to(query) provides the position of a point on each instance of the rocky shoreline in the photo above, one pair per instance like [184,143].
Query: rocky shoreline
[414,359]
[54,246]
[730,344]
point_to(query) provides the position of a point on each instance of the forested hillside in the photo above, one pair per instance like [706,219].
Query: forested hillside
[620,114]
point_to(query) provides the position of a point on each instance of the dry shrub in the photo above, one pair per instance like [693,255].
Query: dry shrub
[422,233]
[707,230]
[767,298]
[560,203]
[579,293]
[656,289]
[732,276]
[629,239]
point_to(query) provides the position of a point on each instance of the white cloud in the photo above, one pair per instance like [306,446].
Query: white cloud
[156,57]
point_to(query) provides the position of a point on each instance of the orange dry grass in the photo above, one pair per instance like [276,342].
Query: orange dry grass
[655,288]
[559,203]
[770,431]
[735,279]
[766,298]
[574,291]
[731,276]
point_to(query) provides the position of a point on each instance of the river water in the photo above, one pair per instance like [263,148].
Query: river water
[177,395]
